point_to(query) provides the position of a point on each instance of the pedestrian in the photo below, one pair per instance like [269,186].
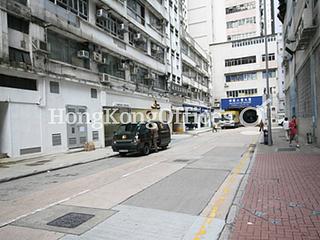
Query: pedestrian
[286,128]
[261,125]
[293,126]
[154,135]
[214,127]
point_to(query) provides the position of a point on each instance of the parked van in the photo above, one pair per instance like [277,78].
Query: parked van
[136,137]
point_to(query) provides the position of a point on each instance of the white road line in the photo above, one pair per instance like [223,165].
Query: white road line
[41,209]
[139,170]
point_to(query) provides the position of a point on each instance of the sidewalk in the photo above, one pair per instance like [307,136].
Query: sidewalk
[282,194]
[18,167]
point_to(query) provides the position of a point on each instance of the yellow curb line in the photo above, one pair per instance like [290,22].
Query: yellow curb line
[226,190]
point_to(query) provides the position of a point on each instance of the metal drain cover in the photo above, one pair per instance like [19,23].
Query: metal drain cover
[182,160]
[286,149]
[71,220]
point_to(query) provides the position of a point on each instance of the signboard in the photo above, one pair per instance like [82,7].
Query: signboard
[238,103]
[193,108]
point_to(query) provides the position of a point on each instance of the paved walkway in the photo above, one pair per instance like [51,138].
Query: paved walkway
[282,194]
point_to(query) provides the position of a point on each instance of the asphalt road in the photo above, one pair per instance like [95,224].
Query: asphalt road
[165,195]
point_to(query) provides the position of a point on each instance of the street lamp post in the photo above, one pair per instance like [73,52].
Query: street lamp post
[270,142]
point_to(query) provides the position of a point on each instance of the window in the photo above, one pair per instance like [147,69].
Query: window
[271,57]
[54,87]
[19,83]
[94,93]
[156,22]
[242,92]
[184,47]
[136,10]
[157,52]
[240,61]
[240,22]
[272,73]
[112,66]
[78,7]
[241,7]
[241,77]
[66,50]
[95,135]
[111,24]
[18,24]
[56,139]
[19,56]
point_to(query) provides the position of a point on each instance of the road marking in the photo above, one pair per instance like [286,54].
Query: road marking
[139,170]
[41,209]
[225,192]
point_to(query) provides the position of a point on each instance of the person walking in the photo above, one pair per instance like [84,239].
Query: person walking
[154,135]
[261,125]
[286,128]
[293,125]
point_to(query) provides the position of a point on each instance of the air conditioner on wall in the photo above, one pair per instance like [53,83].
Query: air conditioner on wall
[97,57]
[38,45]
[101,13]
[123,28]
[105,78]
[83,54]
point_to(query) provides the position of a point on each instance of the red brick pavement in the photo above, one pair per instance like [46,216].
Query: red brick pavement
[282,198]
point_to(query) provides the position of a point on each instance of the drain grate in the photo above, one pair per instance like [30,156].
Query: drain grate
[286,149]
[182,160]
[71,220]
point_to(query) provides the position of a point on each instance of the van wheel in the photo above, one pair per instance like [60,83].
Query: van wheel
[164,147]
[146,150]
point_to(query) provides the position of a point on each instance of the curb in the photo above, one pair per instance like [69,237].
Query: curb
[52,169]
[236,203]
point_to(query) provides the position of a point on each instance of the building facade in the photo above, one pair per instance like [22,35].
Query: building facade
[301,60]
[232,31]
[68,69]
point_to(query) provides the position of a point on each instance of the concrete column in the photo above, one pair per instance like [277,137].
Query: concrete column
[4,47]
[314,95]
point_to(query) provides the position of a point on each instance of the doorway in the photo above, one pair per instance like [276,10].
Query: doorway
[77,130]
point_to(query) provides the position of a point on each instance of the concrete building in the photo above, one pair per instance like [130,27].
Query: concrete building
[301,60]
[65,58]
[232,31]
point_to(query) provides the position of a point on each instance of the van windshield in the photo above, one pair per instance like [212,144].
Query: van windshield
[132,127]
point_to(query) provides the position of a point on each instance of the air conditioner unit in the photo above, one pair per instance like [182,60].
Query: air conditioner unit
[150,76]
[138,37]
[135,71]
[104,61]
[38,45]
[97,57]
[101,13]
[154,47]
[123,28]
[105,78]
[83,54]
[122,66]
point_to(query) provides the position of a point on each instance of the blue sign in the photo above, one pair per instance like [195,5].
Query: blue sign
[243,102]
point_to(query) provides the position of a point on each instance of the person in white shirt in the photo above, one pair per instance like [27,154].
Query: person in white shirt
[286,128]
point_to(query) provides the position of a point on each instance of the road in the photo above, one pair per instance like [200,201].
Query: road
[183,192]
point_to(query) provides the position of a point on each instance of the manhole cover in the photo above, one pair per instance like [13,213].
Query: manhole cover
[182,160]
[275,221]
[287,149]
[71,220]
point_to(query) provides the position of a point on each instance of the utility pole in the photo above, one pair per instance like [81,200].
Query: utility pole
[270,142]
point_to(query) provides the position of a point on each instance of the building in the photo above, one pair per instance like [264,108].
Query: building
[301,60]
[232,31]
[69,69]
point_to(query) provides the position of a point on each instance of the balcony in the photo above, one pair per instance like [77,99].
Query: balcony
[306,29]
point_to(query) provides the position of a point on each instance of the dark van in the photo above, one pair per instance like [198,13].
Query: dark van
[136,137]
